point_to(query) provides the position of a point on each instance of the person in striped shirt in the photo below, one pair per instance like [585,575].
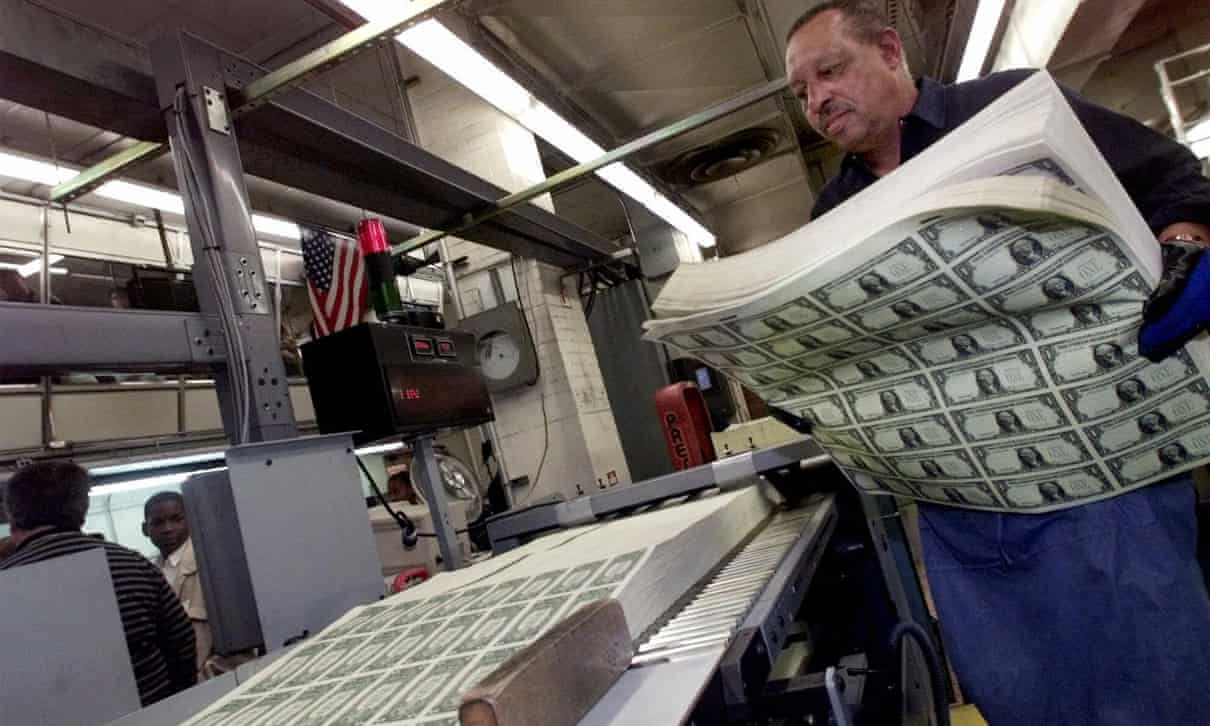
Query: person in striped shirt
[46,503]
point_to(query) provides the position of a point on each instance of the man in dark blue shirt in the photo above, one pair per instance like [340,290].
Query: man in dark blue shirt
[1093,615]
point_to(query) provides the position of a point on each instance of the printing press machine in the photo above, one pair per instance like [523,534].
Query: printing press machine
[793,624]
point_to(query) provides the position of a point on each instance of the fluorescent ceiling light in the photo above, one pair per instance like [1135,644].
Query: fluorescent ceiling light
[15,266]
[39,172]
[142,195]
[152,482]
[436,44]
[979,42]
[275,226]
[1034,30]
[379,449]
[157,463]
[34,267]
[1198,138]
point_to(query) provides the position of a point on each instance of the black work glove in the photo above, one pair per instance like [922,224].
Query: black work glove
[1180,307]
[799,424]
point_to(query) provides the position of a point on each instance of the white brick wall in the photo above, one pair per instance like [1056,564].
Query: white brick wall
[583,438]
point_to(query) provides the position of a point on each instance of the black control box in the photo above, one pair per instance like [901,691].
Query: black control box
[388,380]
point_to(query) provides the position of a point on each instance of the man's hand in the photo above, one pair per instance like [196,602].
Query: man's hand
[1180,307]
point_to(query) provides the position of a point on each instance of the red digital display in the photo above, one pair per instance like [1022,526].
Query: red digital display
[433,394]
[445,349]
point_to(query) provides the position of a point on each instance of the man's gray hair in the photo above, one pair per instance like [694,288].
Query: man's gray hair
[47,494]
[865,19]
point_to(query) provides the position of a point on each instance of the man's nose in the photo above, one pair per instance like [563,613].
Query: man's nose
[817,102]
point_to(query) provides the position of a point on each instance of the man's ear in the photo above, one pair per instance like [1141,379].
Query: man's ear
[146,531]
[890,47]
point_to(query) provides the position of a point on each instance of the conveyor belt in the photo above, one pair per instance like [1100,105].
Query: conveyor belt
[713,615]
[764,577]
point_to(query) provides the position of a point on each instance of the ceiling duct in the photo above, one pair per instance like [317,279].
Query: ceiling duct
[723,157]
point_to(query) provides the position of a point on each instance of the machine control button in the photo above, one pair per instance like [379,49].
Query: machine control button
[422,346]
[445,348]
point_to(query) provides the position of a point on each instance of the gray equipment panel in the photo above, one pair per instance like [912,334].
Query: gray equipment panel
[306,533]
[182,706]
[64,659]
[222,563]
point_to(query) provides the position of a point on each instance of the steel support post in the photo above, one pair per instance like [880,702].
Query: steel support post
[488,430]
[427,476]
[228,272]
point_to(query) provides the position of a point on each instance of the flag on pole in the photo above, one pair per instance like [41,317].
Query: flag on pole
[336,281]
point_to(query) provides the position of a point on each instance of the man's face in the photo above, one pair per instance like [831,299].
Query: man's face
[964,344]
[1058,288]
[1150,423]
[1108,355]
[1050,491]
[1130,390]
[846,86]
[166,526]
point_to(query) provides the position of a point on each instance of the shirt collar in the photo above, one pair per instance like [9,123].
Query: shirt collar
[930,103]
[929,108]
[174,559]
[45,533]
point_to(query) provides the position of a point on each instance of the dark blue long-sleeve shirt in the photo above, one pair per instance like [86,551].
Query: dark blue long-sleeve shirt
[1161,176]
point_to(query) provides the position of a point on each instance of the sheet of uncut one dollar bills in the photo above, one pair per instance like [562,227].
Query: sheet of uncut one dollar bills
[964,331]
[408,659]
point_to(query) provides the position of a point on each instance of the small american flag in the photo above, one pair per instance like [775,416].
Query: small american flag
[336,280]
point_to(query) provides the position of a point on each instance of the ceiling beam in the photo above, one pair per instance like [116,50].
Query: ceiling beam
[258,91]
[1090,37]
[54,63]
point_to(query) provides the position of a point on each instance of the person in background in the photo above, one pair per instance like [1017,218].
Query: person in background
[7,547]
[46,503]
[165,524]
[1097,614]
[14,289]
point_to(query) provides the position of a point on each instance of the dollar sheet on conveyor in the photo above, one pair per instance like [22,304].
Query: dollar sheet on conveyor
[408,659]
[984,358]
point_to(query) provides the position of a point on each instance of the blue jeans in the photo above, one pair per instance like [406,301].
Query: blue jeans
[1096,615]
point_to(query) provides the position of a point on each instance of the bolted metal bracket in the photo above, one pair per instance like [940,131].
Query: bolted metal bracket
[206,341]
[216,111]
[248,283]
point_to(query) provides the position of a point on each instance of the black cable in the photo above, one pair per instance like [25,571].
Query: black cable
[406,525]
[533,341]
[931,659]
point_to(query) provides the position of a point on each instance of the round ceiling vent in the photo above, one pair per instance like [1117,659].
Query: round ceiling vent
[725,157]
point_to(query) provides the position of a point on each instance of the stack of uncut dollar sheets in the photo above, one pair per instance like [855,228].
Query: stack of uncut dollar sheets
[964,330]
[409,658]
